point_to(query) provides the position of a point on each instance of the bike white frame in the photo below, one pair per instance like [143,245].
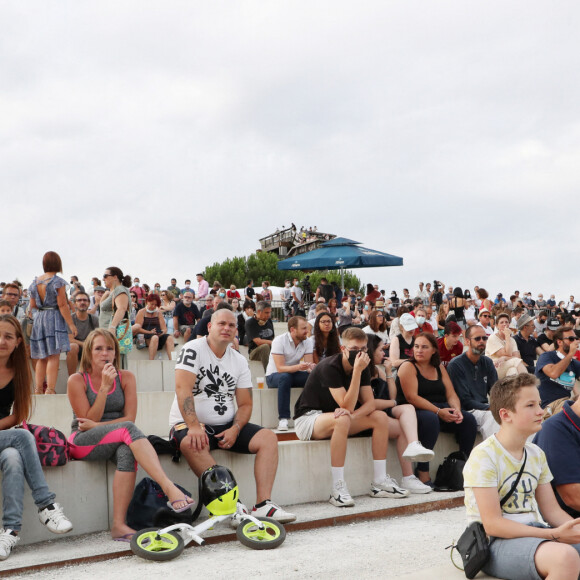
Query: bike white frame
[189,533]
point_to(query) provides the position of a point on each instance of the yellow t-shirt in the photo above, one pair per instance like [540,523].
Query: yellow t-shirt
[490,465]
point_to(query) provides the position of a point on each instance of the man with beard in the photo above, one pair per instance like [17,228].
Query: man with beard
[85,323]
[473,374]
[558,369]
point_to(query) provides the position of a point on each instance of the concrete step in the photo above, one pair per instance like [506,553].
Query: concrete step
[85,488]
[51,555]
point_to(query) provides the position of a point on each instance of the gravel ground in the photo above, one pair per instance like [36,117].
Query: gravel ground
[394,548]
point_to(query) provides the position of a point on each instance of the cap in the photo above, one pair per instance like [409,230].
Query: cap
[553,324]
[408,322]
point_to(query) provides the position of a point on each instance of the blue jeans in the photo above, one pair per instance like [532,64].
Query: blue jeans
[19,461]
[429,426]
[284,382]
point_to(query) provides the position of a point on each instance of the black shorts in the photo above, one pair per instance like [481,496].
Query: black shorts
[241,445]
[162,340]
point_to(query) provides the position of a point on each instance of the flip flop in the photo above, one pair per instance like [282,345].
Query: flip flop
[126,538]
[184,508]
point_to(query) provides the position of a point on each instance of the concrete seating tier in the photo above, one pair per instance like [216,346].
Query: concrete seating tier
[85,488]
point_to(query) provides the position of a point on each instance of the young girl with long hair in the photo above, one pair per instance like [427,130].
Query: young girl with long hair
[18,456]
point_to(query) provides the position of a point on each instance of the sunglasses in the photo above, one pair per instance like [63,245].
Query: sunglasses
[105,276]
[570,338]
[478,338]
[484,316]
[357,350]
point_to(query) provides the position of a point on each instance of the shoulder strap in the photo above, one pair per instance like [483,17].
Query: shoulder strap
[515,483]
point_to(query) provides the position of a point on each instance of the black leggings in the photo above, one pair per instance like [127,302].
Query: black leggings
[429,425]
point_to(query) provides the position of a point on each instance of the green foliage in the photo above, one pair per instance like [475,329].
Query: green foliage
[264,266]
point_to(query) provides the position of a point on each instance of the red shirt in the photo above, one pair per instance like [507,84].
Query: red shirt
[446,354]
[425,328]
[233,294]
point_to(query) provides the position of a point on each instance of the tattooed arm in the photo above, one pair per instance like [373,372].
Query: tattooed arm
[196,435]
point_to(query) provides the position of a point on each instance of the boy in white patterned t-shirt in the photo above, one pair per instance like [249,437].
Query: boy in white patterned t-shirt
[523,547]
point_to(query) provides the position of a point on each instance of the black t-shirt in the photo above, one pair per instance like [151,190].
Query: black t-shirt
[250,292]
[543,339]
[186,316]
[6,399]
[255,330]
[326,291]
[327,374]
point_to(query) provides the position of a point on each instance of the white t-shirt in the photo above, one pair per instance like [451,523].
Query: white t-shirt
[297,291]
[216,382]
[469,313]
[285,346]
[383,335]
[488,329]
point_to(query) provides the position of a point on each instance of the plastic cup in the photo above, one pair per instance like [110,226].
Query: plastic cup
[260,382]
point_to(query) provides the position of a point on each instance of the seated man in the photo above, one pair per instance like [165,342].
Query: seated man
[85,323]
[526,342]
[560,440]
[449,344]
[11,294]
[546,339]
[326,410]
[185,316]
[260,333]
[473,374]
[289,365]
[211,379]
[558,369]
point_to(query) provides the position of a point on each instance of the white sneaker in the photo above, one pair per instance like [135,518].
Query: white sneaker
[241,511]
[339,496]
[283,425]
[54,519]
[387,488]
[271,510]
[416,452]
[7,542]
[415,485]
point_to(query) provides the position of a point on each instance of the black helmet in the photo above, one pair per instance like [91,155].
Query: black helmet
[219,490]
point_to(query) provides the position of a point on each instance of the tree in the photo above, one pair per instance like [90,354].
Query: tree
[264,266]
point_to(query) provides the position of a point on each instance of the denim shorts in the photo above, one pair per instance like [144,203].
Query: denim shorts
[514,558]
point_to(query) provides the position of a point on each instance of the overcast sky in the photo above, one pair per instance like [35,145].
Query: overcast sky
[163,137]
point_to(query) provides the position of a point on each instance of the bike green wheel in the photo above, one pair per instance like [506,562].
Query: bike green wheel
[268,538]
[151,545]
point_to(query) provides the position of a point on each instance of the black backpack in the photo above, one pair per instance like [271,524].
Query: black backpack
[450,472]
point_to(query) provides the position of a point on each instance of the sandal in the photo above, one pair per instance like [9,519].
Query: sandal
[50,391]
[188,505]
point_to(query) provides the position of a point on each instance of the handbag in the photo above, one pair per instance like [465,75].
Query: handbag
[450,473]
[124,333]
[473,545]
[51,444]
[148,499]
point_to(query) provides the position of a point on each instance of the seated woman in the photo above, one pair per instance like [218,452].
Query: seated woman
[503,350]
[421,320]
[325,336]
[378,326]
[104,402]
[167,306]
[402,345]
[402,418]
[320,307]
[151,324]
[424,382]
[333,307]
[18,456]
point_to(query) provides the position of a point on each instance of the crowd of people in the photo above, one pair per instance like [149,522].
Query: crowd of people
[402,368]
